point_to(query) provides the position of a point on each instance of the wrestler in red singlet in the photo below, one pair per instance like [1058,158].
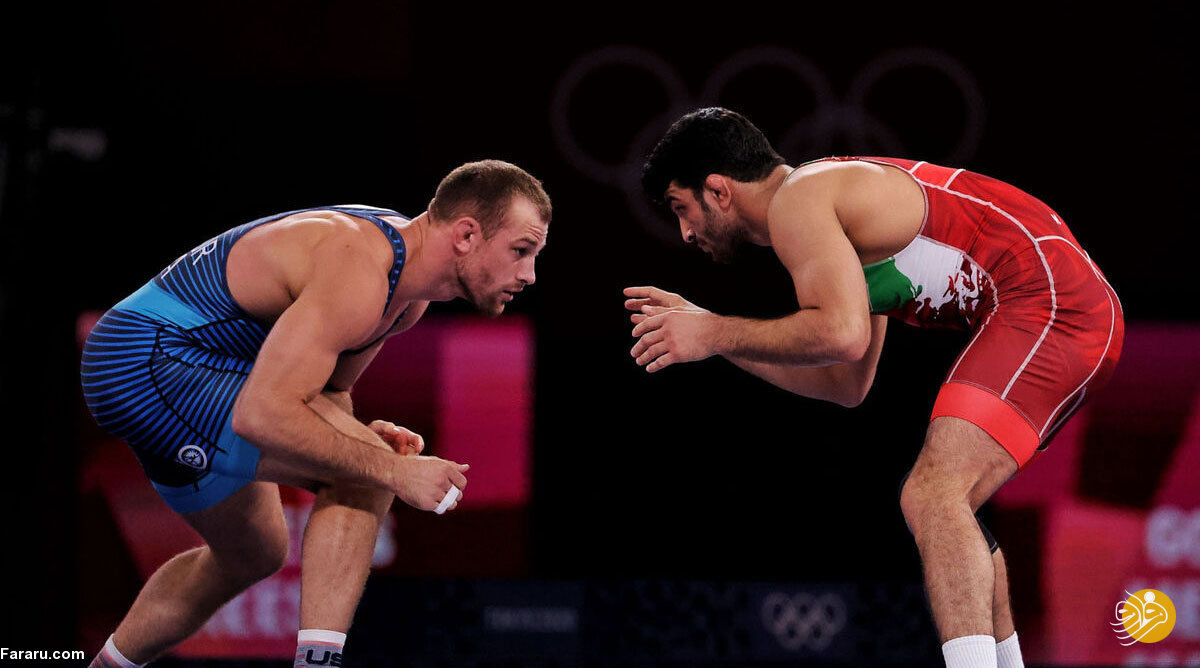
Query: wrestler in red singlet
[995,260]
[971,253]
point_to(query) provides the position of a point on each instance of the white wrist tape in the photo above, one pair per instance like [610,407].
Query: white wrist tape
[448,500]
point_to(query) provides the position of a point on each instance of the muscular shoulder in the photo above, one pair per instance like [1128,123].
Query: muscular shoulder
[271,265]
[853,189]
[353,235]
[808,190]
[330,259]
[317,228]
[832,178]
[317,243]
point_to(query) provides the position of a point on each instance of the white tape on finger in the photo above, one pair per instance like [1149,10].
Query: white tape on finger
[448,500]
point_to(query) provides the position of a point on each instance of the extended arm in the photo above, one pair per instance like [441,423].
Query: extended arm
[832,325]
[843,383]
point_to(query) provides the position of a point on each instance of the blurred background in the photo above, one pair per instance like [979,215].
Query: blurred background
[694,517]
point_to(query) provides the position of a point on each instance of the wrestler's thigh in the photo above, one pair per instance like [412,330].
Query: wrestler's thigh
[960,459]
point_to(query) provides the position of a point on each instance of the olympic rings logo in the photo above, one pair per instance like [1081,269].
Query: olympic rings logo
[834,117]
[804,621]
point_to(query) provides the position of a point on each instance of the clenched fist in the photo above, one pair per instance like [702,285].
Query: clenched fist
[422,482]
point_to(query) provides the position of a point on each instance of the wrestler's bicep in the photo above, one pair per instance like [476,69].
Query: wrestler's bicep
[336,309]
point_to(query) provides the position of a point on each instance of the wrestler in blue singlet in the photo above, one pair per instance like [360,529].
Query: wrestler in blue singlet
[163,367]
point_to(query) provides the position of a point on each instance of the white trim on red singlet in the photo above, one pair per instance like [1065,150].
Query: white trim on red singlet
[1089,259]
[1064,417]
[1045,265]
[1054,236]
[952,177]
[1112,325]
[920,235]
[1049,277]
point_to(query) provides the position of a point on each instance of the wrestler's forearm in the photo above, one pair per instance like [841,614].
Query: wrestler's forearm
[813,382]
[809,337]
[845,384]
[322,439]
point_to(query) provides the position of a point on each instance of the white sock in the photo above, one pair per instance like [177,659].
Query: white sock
[111,657]
[1008,653]
[970,652]
[315,647]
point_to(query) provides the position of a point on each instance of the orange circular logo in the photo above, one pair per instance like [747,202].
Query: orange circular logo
[1146,616]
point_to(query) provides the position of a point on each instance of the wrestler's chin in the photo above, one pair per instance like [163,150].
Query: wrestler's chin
[493,308]
[721,256]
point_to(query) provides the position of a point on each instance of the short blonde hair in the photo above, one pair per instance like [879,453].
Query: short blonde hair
[484,190]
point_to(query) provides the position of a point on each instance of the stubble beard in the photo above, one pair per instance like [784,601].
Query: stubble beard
[723,237]
[492,307]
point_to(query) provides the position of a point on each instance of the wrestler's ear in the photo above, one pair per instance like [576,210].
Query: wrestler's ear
[466,233]
[717,187]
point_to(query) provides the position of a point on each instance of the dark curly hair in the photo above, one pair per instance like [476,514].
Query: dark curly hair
[708,141]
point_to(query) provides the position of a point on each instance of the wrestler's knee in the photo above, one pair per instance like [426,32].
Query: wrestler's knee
[917,500]
[246,535]
[246,566]
[916,507]
[925,499]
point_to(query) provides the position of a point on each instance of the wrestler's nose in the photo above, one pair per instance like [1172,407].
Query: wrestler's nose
[689,235]
[527,275]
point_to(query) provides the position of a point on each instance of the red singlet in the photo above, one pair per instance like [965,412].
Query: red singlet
[995,260]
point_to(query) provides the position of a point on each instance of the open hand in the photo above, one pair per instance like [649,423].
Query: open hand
[673,335]
[648,300]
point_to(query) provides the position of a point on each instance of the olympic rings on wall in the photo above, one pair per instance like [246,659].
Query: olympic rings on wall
[847,118]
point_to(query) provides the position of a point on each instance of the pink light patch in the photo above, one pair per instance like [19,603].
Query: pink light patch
[485,403]
[466,385]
